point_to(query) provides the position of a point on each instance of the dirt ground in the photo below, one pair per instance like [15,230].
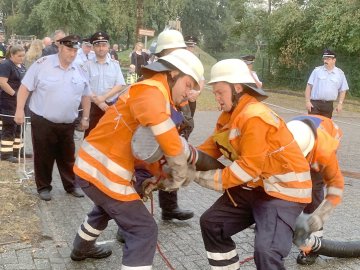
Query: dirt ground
[19,220]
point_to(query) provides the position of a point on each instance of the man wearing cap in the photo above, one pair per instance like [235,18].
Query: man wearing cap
[325,85]
[85,53]
[268,181]
[54,47]
[58,85]
[249,61]
[104,74]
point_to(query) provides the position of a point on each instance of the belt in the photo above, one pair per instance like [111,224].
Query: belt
[322,101]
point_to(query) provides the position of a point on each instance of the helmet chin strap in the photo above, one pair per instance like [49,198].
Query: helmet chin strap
[235,96]
[172,80]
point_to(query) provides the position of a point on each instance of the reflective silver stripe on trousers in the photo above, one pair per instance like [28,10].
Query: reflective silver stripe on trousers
[6,149]
[217,256]
[90,229]
[7,142]
[114,187]
[240,173]
[162,127]
[85,236]
[104,160]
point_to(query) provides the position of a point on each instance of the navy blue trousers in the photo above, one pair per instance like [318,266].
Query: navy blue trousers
[138,226]
[275,222]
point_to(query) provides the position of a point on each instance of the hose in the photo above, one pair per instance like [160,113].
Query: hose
[338,249]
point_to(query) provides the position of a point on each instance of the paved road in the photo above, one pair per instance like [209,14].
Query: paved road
[180,241]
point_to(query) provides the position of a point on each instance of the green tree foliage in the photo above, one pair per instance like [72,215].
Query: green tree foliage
[287,36]
[335,23]
[208,20]
[71,16]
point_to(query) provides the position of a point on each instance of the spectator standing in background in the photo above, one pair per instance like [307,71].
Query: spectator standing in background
[53,48]
[139,58]
[46,41]
[325,85]
[34,52]
[114,52]
[85,53]
[3,47]
[58,85]
[191,42]
[12,71]
[249,61]
[104,74]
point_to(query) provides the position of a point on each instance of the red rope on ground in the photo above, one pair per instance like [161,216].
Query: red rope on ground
[166,260]
[246,260]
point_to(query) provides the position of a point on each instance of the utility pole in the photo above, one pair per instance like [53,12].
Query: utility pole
[139,18]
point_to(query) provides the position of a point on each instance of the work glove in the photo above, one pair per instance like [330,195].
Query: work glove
[302,230]
[209,179]
[305,241]
[307,224]
[174,174]
[317,219]
[178,169]
[190,152]
[151,184]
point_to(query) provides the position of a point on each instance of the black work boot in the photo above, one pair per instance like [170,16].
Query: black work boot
[176,213]
[96,252]
[306,259]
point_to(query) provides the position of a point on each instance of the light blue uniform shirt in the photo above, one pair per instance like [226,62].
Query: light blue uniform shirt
[104,76]
[81,58]
[326,85]
[56,92]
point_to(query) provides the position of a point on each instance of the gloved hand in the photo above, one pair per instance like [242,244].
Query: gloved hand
[149,185]
[302,230]
[317,219]
[303,238]
[178,169]
[209,179]
[307,224]
[190,152]
[174,174]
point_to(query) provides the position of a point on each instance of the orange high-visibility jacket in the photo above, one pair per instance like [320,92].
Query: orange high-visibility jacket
[322,157]
[105,158]
[262,150]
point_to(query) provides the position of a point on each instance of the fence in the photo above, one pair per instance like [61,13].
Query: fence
[21,39]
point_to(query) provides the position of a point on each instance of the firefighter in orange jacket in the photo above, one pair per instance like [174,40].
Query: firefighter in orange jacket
[105,163]
[319,138]
[268,181]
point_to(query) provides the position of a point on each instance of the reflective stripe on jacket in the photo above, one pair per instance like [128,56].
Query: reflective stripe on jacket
[263,152]
[105,158]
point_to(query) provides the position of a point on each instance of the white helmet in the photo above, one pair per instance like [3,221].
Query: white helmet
[234,71]
[186,62]
[303,135]
[169,39]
